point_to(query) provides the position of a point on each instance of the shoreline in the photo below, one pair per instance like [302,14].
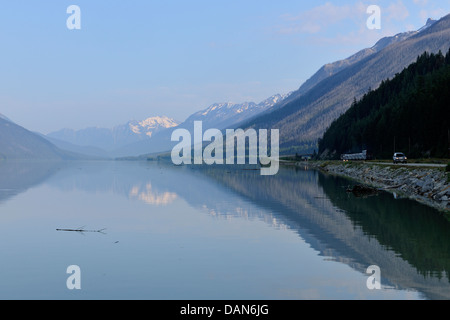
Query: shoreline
[427,185]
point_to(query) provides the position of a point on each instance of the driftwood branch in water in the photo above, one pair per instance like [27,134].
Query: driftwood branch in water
[82,230]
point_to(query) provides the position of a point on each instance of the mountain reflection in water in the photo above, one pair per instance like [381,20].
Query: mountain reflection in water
[408,241]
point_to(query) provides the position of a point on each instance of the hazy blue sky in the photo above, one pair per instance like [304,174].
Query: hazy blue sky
[136,59]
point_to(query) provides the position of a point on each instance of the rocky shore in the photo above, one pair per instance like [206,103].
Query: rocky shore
[424,184]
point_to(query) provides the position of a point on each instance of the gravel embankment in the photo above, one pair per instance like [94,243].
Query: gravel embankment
[427,185]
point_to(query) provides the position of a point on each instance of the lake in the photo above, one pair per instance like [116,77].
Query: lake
[211,233]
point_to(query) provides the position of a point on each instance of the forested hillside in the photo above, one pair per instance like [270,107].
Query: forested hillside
[303,118]
[409,113]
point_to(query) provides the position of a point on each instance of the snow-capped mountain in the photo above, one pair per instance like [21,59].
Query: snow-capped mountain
[227,115]
[134,131]
[218,116]
[149,126]
[153,134]
[113,138]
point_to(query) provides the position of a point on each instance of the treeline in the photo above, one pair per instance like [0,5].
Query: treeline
[409,113]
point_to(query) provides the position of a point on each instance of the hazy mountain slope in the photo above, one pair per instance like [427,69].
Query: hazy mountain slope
[4,117]
[84,150]
[95,137]
[305,117]
[18,143]
[335,67]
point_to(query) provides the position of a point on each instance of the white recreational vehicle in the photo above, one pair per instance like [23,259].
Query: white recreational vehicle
[355,156]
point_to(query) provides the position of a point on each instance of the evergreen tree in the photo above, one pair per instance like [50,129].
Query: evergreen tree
[412,111]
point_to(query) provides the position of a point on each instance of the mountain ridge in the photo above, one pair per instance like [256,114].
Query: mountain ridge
[303,118]
[18,143]
[233,113]
[212,117]
[409,113]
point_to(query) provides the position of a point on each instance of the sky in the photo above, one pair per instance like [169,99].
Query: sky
[137,59]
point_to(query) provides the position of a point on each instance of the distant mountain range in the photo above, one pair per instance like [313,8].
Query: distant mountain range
[136,137]
[219,116]
[154,134]
[303,117]
[117,137]
[89,151]
[226,115]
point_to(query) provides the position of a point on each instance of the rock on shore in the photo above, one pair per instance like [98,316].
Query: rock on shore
[426,185]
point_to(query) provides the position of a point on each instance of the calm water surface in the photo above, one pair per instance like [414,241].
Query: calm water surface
[211,233]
